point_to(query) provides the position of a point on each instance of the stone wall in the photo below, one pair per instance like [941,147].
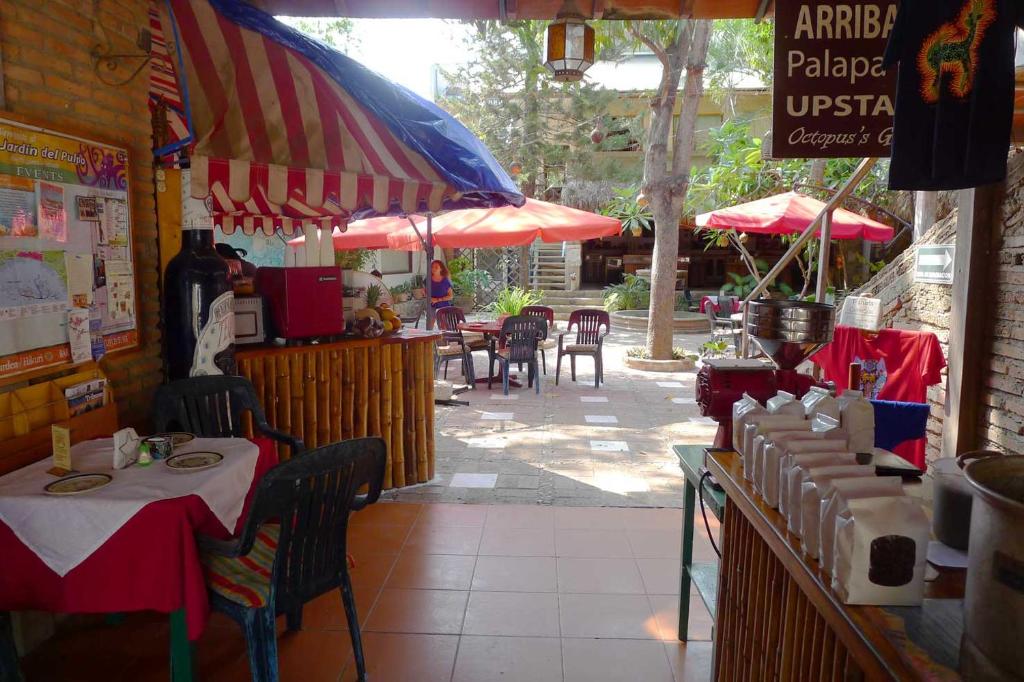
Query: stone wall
[49,79]
[926,307]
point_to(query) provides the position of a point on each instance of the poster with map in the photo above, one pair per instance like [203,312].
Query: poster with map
[67,280]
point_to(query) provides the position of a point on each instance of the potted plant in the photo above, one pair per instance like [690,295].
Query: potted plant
[510,302]
[419,287]
[401,293]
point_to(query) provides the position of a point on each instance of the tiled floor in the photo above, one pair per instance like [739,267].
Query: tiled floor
[466,593]
[552,448]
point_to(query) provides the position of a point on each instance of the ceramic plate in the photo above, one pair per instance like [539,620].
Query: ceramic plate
[78,483]
[178,438]
[194,461]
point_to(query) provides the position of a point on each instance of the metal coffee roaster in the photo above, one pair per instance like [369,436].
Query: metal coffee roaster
[787,332]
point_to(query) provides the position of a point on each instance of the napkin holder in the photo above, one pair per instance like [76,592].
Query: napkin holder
[126,448]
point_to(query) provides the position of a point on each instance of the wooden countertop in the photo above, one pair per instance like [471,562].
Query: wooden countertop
[401,336]
[920,642]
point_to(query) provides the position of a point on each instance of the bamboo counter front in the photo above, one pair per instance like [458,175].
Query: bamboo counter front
[778,618]
[350,389]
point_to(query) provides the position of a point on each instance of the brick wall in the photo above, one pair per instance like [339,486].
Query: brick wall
[48,77]
[926,307]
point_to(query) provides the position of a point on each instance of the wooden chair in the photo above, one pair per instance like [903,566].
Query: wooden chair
[214,407]
[547,342]
[292,547]
[518,343]
[591,326]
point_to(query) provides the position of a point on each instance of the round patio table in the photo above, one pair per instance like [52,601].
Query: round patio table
[491,329]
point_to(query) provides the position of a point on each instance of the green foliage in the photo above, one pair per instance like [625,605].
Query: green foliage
[506,97]
[399,289]
[468,282]
[635,218]
[632,294]
[512,300]
[418,282]
[740,285]
[740,49]
[374,292]
[641,353]
[714,349]
[352,259]
[338,33]
[459,264]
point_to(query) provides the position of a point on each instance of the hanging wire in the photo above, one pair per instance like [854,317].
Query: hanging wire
[703,512]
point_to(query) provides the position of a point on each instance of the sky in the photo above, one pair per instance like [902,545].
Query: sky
[404,50]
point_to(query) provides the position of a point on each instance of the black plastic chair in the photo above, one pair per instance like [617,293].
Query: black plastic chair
[591,326]
[292,547]
[458,345]
[213,407]
[548,314]
[518,342]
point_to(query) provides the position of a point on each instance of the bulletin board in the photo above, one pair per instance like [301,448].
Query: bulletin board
[67,278]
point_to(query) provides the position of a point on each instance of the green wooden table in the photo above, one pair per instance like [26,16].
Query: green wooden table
[702,575]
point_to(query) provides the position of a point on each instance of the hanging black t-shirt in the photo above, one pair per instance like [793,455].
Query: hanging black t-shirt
[954,101]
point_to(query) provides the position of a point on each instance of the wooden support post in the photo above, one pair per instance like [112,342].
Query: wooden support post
[969,316]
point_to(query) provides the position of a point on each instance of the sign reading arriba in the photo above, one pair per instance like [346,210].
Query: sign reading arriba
[832,97]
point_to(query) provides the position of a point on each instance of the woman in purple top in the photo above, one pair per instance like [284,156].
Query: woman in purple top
[441,293]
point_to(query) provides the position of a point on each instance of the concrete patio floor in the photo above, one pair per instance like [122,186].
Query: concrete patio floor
[573,445]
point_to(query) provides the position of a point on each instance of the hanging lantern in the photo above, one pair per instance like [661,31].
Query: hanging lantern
[597,134]
[570,44]
[516,168]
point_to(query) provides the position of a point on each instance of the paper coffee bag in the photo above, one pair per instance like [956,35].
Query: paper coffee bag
[760,424]
[811,490]
[789,494]
[790,442]
[835,496]
[880,553]
[743,409]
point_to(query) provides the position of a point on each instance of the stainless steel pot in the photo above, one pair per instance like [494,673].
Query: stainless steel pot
[993,642]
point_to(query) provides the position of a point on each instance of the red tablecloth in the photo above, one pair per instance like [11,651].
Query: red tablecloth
[713,301]
[151,563]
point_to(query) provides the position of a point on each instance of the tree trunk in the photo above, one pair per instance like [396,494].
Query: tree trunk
[667,183]
[818,172]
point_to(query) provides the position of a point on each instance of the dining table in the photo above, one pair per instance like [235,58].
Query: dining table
[491,330]
[130,544]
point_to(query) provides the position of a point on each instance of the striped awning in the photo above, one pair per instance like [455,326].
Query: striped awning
[288,131]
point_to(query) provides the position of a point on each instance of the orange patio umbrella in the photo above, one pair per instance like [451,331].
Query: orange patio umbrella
[477,228]
[791,213]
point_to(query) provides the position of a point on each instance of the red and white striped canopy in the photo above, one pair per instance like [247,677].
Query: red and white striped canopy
[278,141]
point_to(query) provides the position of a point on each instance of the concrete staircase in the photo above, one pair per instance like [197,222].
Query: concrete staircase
[547,267]
[564,302]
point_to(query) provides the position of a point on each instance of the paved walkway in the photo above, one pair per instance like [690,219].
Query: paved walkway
[573,445]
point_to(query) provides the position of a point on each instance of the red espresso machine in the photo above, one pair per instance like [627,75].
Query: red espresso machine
[304,302]
[787,332]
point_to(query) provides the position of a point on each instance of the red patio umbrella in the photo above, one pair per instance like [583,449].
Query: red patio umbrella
[791,213]
[478,228]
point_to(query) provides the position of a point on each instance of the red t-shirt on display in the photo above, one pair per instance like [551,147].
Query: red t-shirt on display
[896,364]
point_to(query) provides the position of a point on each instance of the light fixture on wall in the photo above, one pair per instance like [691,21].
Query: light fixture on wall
[570,44]
[105,61]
